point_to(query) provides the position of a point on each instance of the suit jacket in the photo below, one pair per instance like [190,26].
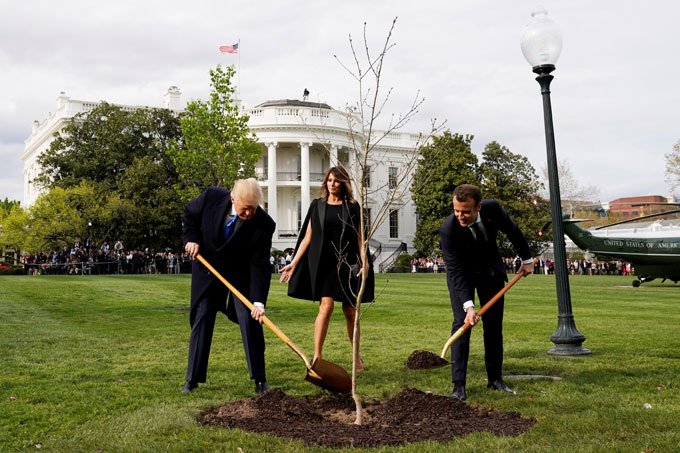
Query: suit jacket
[243,259]
[467,264]
[302,284]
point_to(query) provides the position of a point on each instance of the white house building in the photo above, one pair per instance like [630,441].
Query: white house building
[299,140]
[42,133]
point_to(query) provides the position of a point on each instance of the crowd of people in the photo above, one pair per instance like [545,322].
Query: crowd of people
[541,266]
[88,259]
[82,260]
[579,267]
[434,265]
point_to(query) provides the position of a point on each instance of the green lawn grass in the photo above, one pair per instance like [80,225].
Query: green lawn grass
[96,363]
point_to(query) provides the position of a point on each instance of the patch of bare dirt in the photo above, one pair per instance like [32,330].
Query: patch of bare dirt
[422,360]
[328,420]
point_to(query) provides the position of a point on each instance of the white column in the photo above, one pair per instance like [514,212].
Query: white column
[304,177]
[334,156]
[352,167]
[272,188]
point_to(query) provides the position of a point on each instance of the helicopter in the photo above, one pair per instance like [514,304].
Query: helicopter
[650,244]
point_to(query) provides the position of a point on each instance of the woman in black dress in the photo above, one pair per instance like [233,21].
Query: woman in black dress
[328,257]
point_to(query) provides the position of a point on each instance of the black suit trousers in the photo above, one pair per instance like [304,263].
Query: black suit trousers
[200,341]
[492,324]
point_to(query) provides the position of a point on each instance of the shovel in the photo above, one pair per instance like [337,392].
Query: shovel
[431,359]
[481,311]
[322,373]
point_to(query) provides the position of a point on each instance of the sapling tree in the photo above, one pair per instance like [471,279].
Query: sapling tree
[368,132]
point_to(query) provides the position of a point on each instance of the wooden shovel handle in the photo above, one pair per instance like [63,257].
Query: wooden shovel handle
[265,320]
[481,311]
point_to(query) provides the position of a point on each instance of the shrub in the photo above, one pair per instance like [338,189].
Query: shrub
[12,270]
[401,264]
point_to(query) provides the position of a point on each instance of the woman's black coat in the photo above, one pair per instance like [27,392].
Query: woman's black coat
[303,281]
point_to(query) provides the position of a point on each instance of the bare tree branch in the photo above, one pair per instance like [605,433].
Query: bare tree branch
[673,168]
[369,146]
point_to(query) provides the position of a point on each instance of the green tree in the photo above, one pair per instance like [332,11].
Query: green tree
[122,154]
[13,225]
[512,180]
[7,205]
[6,208]
[218,145]
[150,213]
[444,163]
[100,145]
[61,217]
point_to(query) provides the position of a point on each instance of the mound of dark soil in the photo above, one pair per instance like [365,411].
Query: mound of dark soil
[328,420]
[422,360]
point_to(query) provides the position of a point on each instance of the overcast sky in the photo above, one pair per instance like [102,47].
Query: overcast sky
[615,96]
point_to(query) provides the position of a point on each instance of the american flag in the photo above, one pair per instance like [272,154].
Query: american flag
[229,49]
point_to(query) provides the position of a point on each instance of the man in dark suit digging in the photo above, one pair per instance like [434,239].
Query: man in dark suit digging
[231,231]
[473,261]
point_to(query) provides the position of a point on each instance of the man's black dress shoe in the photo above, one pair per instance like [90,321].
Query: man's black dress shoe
[189,386]
[500,385]
[261,386]
[459,393]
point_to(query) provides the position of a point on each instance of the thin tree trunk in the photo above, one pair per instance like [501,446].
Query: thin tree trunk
[357,320]
[355,355]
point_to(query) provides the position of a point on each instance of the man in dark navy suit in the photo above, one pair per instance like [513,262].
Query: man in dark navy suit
[473,261]
[234,234]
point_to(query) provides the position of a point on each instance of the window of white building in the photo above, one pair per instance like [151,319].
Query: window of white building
[343,157]
[367,177]
[392,178]
[394,224]
[299,215]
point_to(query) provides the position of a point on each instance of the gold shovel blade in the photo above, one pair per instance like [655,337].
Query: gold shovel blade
[329,376]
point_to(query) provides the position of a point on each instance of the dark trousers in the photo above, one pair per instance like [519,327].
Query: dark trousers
[202,326]
[492,322]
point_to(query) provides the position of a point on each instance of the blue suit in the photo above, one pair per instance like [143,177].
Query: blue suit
[469,266]
[243,259]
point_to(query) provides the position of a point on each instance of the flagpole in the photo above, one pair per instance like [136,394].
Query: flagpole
[235,49]
[239,70]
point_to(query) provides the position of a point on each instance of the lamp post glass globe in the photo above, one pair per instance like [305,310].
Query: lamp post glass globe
[541,40]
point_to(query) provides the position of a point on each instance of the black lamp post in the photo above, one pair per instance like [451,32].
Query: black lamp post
[541,43]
